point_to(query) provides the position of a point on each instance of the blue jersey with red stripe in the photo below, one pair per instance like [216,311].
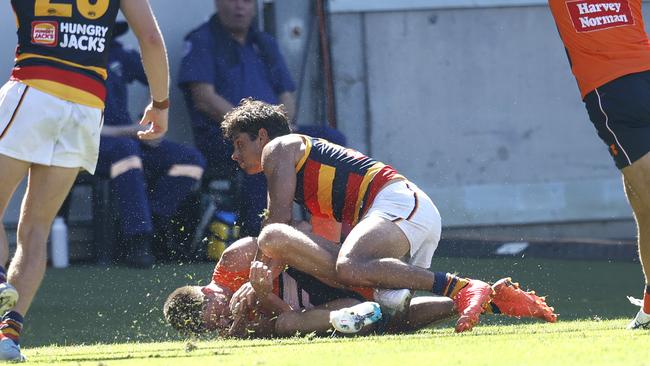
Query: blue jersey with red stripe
[63,47]
[338,183]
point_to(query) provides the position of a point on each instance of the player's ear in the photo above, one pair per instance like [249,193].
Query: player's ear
[263,134]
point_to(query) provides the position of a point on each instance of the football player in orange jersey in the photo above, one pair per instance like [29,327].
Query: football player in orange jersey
[609,54]
[50,119]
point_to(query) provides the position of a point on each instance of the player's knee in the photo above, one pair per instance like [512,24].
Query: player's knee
[32,235]
[347,271]
[274,239]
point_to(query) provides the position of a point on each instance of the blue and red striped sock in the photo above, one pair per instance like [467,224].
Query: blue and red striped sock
[646,299]
[11,326]
[447,284]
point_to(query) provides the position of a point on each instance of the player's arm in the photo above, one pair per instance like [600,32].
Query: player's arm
[207,101]
[278,162]
[239,255]
[261,278]
[154,58]
[232,269]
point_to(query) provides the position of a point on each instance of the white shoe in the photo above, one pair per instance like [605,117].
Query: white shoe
[641,321]
[10,351]
[393,301]
[8,297]
[353,319]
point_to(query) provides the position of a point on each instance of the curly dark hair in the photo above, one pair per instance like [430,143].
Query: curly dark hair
[183,309]
[251,115]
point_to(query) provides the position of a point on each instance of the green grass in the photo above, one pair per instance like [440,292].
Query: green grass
[84,305]
[564,343]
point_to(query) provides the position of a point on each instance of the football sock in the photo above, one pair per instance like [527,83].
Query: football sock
[11,326]
[3,274]
[447,284]
[646,299]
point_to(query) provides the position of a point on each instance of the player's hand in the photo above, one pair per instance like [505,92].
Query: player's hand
[244,296]
[156,120]
[261,279]
[238,327]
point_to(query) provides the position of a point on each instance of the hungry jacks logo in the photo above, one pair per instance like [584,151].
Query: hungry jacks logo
[45,33]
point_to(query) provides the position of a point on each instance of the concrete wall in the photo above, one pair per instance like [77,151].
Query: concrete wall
[477,106]
[471,99]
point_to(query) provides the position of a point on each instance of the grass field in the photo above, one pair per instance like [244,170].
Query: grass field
[120,308]
[566,343]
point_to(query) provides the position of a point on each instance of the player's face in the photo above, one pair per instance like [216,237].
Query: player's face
[236,15]
[216,312]
[247,152]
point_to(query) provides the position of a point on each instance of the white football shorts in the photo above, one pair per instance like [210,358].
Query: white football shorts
[43,129]
[413,211]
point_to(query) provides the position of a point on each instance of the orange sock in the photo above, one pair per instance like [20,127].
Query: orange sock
[646,300]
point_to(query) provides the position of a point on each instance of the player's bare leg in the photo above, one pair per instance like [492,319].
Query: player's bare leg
[636,178]
[427,310]
[297,250]
[373,255]
[13,171]
[313,320]
[47,188]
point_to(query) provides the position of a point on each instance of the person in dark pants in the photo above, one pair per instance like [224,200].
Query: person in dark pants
[149,179]
[227,59]
[609,54]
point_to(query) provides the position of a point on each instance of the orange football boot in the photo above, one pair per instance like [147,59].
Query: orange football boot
[513,301]
[470,302]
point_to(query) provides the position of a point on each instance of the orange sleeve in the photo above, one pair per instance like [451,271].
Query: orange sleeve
[228,279]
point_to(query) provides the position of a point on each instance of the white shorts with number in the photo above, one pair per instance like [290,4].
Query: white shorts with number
[413,211]
[43,129]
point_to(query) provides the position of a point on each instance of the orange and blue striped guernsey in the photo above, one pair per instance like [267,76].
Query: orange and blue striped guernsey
[338,183]
[63,47]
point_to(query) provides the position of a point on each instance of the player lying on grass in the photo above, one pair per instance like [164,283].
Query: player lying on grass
[304,304]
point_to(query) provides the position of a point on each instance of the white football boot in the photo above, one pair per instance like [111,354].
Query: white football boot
[393,302]
[8,297]
[641,320]
[10,351]
[353,319]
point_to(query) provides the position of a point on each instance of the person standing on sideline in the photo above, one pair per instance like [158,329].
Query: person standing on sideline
[609,54]
[227,59]
[149,178]
[50,121]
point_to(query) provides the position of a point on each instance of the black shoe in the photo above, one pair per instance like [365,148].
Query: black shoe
[139,252]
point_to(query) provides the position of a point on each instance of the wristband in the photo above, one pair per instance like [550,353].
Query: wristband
[160,105]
